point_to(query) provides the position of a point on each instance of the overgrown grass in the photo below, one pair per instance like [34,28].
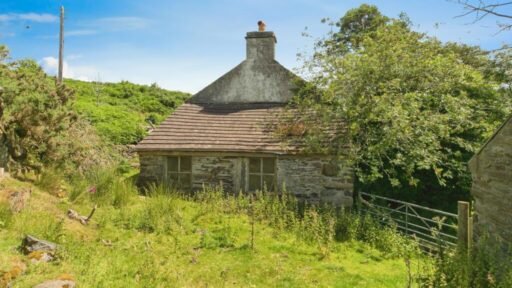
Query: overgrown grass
[212,238]
[170,239]
[487,264]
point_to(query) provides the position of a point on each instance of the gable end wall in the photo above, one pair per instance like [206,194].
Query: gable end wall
[491,171]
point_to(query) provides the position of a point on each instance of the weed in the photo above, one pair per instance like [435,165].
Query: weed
[6,215]
[52,180]
[122,193]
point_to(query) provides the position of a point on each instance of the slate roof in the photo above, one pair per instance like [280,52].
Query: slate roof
[220,128]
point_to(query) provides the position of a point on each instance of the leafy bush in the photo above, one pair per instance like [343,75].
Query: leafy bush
[34,115]
[487,264]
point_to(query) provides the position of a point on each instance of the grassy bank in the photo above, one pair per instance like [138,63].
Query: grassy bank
[120,112]
[173,240]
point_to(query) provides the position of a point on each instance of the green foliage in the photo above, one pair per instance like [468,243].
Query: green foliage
[121,111]
[34,114]
[488,264]
[356,24]
[6,215]
[171,237]
[47,227]
[223,237]
[158,215]
[122,192]
[413,110]
[51,180]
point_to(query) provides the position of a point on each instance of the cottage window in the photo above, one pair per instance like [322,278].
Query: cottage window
[262,174]
[179,172]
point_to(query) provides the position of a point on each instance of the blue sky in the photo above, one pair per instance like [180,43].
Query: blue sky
[185,45]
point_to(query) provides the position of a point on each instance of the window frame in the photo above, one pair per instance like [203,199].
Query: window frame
[262,174]
[179,173]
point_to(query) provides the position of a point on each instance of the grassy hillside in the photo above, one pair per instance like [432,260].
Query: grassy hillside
[121,111]
[174,241]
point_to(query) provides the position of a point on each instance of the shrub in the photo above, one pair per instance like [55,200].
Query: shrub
[487,264]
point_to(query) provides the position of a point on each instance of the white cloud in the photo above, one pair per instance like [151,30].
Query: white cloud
[80,32]
[121,23]
[4,18]
[101,25]
[85,73]
[33,17]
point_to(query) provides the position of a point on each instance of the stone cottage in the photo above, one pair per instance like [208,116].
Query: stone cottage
[220,136]
[491,170]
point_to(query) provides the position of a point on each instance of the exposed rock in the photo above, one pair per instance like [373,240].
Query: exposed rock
[32,244]
[57,284]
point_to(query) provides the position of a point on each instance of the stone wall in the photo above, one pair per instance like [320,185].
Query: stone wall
[316,179]
[152,170]
[491,171]
[213,171]
[313,179]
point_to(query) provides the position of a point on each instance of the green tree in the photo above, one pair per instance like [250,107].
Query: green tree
[34,114]
[357,23]
[414,110]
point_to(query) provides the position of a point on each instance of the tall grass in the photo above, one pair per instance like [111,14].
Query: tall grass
[487,264]
[6,215]
[320,224]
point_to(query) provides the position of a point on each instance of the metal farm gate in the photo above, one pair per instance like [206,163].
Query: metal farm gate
[432,228]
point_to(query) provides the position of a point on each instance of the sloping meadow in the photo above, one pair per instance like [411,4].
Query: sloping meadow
[171,239]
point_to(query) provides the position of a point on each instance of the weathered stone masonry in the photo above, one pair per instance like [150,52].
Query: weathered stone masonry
[310,178]
[491,170]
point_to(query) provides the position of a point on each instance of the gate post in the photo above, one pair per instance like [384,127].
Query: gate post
[464,227]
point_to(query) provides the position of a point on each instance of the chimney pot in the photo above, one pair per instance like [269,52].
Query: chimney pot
[261,26]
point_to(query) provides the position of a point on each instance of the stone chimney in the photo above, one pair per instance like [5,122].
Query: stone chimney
[261,46]
[257,79]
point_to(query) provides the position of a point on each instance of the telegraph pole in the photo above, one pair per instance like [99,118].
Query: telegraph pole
[61,45]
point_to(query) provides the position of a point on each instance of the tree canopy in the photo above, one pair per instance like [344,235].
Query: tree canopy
[415,109]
